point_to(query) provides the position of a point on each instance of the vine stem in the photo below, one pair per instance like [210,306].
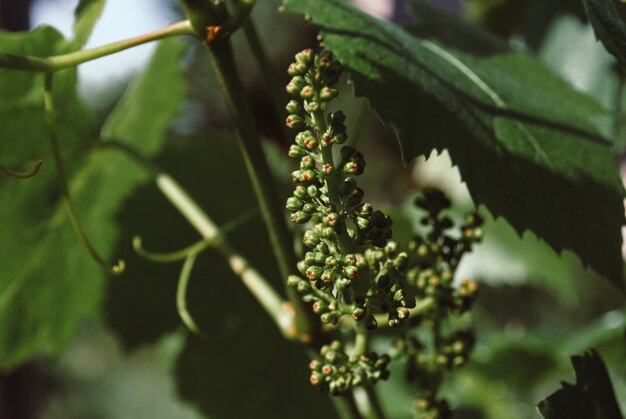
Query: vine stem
[268,73]
[258,170]
[374,402]
[279,311]
[59,62]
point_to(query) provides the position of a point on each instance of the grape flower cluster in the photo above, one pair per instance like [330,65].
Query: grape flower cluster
[351,268]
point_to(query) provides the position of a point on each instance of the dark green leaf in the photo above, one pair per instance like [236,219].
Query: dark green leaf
[48,282]
[87,14]
[591,397]
[608,26]
[524,140]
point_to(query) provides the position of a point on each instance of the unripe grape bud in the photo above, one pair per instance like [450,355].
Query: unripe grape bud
[327,93]
[307,92]
[300,192]
[311,106]
[296,69]
[296,151]
[294,107]
[295,85]
[292,280]
[305,56]
[310,238]
[358,314]
[300,217]
[329,318]
[294,121]
[307,162]
[309,208]
[293,204]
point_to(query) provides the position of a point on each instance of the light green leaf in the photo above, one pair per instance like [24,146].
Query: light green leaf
[48,283]
[591,397]
[524,140]
[87,14]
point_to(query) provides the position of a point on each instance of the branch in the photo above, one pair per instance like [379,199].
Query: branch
[59,62]
[260,176]
[279,310]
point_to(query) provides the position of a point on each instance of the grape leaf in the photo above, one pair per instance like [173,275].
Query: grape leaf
[524,140]
[608,26]
[591,397]
[87,14]
[48,283]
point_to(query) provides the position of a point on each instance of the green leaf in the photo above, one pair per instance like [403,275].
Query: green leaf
[48,282]
[524,140]
[608,26]
[591,397]
[87,14]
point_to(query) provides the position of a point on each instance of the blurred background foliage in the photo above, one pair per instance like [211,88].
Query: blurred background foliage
[132,358]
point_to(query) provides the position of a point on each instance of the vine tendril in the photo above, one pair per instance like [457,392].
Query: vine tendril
[49,108]
[22,175]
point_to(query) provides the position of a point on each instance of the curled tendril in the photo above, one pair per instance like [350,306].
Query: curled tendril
[189,255]
[22,175]
[181,295]
[120,266]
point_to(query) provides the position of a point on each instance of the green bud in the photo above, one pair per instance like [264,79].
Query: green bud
[293,280]
[297,69]
[311,238]
[294,107]
[300,192]
[307,175]
[358,314]
[305,56]
[307,92]
[343,283]
[312,106]
[309,208]
[329,318]
[316,378]
[399,295]
[295,85]
[293,204]
[327,93]
[362,223]
[401,260]
[309,258]
[320,258]
[327,276]
[312,191]
[296,151]
[302,265]
[302,136]
[307,162]
[300,217]
[403,313]
[294,121]
[324,60]
[319,307]
[328,232]
[303,286]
